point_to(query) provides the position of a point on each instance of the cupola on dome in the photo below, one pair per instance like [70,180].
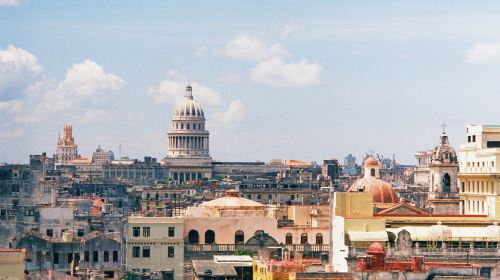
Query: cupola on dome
[189,107]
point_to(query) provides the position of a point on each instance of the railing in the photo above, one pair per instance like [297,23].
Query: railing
[228,248]
[453,253]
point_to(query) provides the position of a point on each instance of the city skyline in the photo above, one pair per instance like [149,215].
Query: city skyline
[315,82]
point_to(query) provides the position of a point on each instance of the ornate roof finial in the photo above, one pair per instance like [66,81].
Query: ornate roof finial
[189,91]
[443,125]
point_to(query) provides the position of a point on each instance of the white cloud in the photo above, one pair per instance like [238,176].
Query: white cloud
[230,78]
[88,79]
[483,53]
[86,85]
[174,88]
[10,3]
[18,69]
[10,134]
[291,29]
[90,116]
[233,115]
[276,72]
[11,106]
[84,95]
[201,51]
[247,47]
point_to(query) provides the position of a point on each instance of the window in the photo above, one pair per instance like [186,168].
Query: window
[96,256]
[77,257]
[115,256]
[56,258]
[106,256]
[70,257]
[80,232]
[86,256]
[50,232]
[146,252]
[136,252]
[209,237]
[171,231]
[372,172]
[319,238]
[193,237]
[146,231]
[288,238]
[136,232]
[468,139]
[303,238]
[171,251]
[473,138]
[239,237]
[493,144]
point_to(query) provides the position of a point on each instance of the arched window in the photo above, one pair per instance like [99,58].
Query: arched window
[319,238]
[288,238]
[193,237]
[239,237]
[187,126]
[446,183]
[303,238]
[372,172]
[209,237]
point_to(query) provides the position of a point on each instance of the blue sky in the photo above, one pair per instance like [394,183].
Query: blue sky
[288,79]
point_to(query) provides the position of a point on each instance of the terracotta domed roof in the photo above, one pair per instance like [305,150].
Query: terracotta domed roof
[371,161]
[233,201]
[381,190]
[376,247]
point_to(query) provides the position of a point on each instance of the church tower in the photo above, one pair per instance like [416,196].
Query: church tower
[443,169]
[443,175]
[66,149]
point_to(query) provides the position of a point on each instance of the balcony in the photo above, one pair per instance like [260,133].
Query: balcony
[230,248]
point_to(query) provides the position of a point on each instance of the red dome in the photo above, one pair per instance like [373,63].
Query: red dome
[371,161]
[381,191]
[376,247]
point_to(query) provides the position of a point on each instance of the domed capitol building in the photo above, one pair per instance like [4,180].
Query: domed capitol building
[188,157]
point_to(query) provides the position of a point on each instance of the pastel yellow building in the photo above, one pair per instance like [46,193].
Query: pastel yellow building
[12,263]
[479,171]
[155,244]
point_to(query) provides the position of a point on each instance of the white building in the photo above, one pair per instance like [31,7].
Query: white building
[101,157]
[188,156]
[479,172]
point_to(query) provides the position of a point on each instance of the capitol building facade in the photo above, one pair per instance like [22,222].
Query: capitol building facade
[188,157]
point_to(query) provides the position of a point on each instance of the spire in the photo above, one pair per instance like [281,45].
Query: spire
[189,92]
[444,136]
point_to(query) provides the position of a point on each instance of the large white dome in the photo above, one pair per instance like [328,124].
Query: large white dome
[189,107]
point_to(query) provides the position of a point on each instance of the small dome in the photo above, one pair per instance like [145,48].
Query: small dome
[371,161]
[381,191]
[376,247]
[444,152]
